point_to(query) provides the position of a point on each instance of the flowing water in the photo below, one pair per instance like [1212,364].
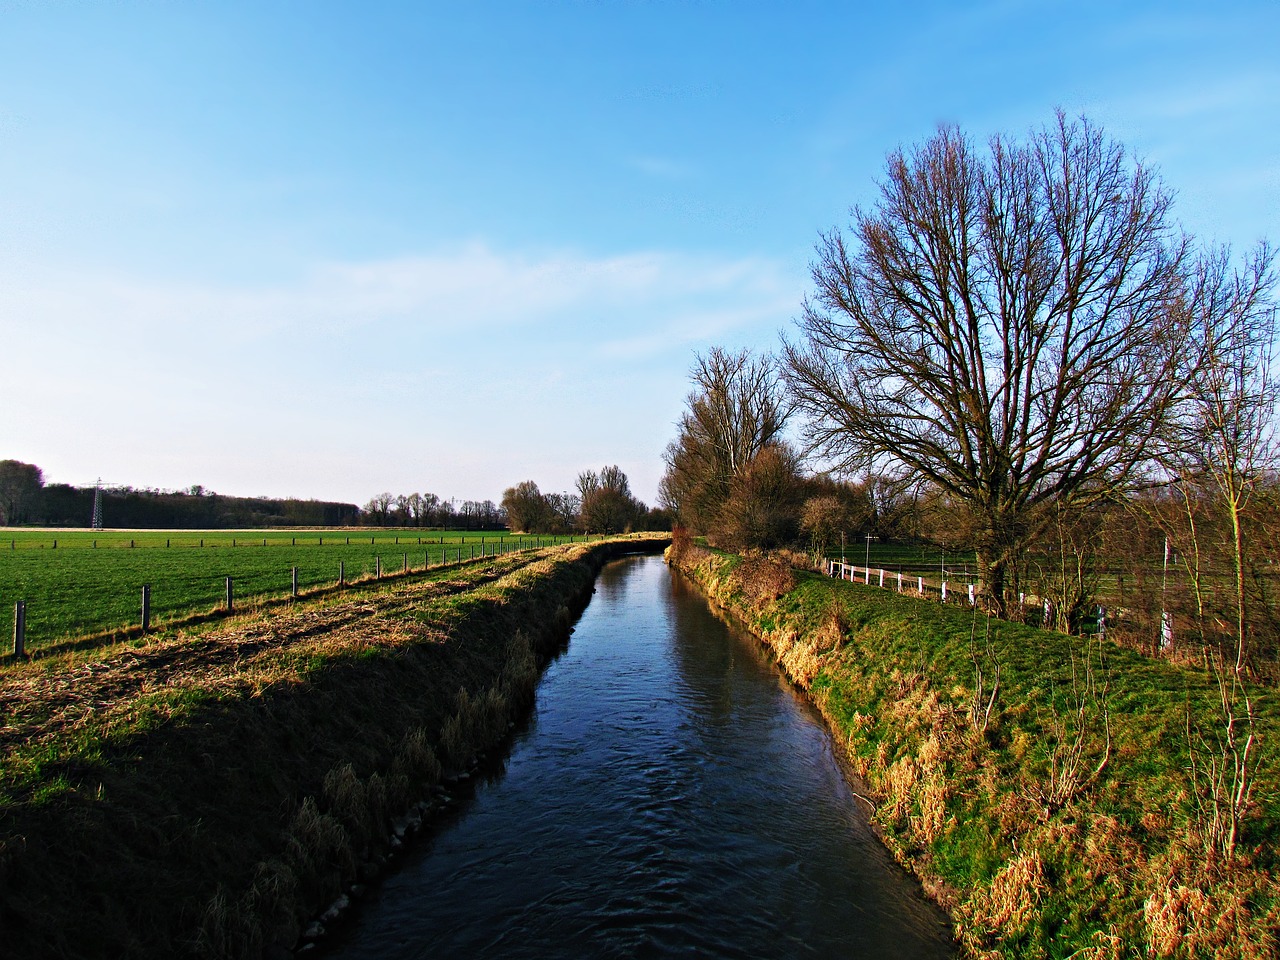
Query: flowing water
[671,795]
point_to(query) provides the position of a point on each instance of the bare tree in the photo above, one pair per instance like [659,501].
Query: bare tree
[608,505]
[588,483]
[1227,441]
[379,508]
[999,325]
[765,502]
[526,508]
[737,409]
[564,509]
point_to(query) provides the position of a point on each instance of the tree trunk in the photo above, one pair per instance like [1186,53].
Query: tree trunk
[991,571]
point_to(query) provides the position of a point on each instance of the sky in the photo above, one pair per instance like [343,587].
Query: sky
[326,250]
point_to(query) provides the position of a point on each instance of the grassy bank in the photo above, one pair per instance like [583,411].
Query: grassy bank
[205,791]
[1055,795]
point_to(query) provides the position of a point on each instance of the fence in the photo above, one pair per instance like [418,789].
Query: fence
[463,553]
[1031,608]
[944,591]
[72,542]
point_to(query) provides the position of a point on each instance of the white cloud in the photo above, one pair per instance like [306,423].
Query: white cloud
[663,168]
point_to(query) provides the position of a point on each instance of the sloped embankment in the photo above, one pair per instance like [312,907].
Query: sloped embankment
[206,792]
[1057,796]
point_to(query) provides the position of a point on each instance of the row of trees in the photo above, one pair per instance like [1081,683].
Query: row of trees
[1014,339]
[429,510]
[25,498]
[602,503]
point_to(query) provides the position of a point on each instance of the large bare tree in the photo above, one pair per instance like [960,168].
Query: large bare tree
[999,324]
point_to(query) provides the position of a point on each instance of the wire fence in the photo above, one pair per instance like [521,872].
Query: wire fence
[233,589]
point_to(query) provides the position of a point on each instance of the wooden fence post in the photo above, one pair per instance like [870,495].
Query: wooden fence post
[146,607]
[230,600]
[405,568]
[20,628]
[295,581]
[342,572]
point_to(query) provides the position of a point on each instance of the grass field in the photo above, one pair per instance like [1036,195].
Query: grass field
[78,582]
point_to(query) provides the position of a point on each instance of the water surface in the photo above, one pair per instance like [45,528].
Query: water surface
[671,795]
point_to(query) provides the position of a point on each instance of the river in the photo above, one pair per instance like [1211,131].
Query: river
[671,795]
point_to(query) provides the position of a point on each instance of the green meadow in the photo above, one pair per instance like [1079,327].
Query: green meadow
[83,582]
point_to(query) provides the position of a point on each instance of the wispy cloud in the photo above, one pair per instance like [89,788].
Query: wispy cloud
[663,168]
[474,288]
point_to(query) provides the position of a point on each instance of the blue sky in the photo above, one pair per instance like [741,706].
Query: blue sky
[330,249]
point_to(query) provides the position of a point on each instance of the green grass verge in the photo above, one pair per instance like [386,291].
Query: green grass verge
[1028,862]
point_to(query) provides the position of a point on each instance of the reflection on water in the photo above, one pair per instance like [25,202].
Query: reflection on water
[671,795]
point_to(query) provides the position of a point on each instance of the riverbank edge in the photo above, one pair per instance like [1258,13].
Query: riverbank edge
[229,827]
[959,799]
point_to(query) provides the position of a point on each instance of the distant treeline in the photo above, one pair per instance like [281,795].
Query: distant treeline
[62,505]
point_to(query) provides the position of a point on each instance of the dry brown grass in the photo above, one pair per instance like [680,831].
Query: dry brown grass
[763,578]
[1005,908]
